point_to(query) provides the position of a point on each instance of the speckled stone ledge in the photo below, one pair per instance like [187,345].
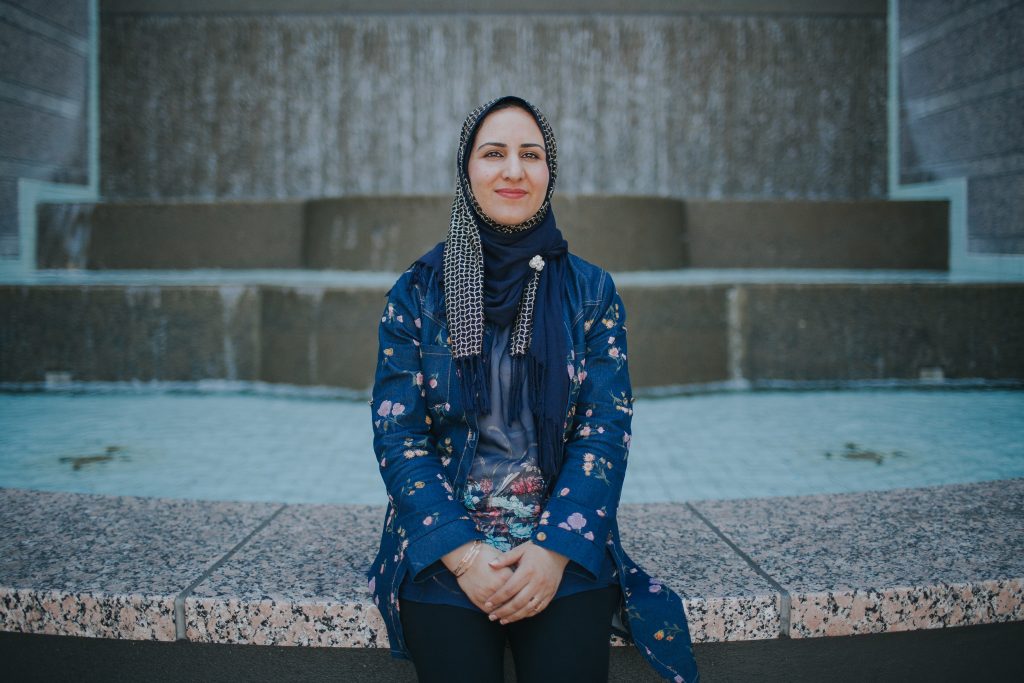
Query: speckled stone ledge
[275,574]
[108,566]
[887,561]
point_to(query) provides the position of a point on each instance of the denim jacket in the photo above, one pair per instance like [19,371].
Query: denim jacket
[425,443]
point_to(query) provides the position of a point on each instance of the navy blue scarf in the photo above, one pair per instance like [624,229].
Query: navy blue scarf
[506,272]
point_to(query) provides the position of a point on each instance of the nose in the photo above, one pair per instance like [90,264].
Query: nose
[513,168]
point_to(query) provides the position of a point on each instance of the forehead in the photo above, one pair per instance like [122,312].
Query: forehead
[509,124]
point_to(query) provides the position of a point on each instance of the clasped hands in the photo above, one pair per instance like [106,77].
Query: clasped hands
[508,594]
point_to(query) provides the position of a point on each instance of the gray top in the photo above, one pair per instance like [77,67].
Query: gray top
[504,490]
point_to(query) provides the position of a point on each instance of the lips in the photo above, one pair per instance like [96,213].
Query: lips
[511,194]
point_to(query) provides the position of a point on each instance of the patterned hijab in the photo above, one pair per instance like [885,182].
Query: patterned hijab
[508,274]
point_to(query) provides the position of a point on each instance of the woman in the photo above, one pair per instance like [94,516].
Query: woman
[501,412]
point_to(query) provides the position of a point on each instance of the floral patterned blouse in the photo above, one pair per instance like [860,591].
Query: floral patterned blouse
[504,491]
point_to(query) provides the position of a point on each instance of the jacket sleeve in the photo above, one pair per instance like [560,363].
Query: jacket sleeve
[578,516]
[429,521]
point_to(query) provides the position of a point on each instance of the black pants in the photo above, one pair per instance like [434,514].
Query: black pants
[568,641]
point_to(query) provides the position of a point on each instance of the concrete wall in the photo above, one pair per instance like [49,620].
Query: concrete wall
[961,97]
[784,101]
[43,100]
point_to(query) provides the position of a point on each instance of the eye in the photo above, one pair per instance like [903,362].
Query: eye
[493,153]
[531,155]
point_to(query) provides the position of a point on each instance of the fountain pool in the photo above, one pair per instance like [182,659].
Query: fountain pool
[308,447]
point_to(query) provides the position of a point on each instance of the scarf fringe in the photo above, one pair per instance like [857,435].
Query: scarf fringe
[549,429]
[475,387]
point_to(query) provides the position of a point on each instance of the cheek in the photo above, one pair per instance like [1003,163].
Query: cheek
[477,175]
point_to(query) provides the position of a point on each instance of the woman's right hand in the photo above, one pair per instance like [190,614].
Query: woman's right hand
[480,581]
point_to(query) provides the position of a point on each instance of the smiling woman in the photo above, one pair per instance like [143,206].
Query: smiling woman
[508,172]
[502,411]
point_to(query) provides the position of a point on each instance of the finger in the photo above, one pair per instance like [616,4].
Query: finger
[507,558]
[518,601]
[511,587]
[534,606]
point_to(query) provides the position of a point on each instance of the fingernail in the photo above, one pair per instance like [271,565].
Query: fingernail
[488,605]
[493,617]
[494,561]
[503,622]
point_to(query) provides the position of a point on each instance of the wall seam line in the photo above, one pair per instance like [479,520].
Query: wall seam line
[785,601]
[179,600]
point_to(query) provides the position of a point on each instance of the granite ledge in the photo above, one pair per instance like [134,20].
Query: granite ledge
[267,573]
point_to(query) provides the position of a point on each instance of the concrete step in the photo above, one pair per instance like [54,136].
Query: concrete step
[707,331]
[387,233]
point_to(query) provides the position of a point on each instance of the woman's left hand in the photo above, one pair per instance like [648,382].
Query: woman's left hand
[538,572]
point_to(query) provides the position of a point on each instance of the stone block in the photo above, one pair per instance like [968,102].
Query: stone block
[171,235]
[77,564]
[299,581]
[623,232]
[373,233]
[388,233]
[109,333]
[676,335]
[873,562]
[792,234]
[828,331]
[315,336]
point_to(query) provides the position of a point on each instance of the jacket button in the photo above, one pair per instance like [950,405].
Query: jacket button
[541,536]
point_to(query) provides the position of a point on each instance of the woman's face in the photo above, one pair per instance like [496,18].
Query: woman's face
[507,166]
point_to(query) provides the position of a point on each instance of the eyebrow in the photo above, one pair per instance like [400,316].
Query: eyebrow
[502,144]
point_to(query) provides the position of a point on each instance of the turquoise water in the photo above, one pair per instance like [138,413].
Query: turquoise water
[295,448]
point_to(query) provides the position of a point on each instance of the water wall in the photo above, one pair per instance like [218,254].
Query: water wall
[241,104]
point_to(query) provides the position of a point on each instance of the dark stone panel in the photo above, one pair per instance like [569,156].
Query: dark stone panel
[42,64]
[676,335]
[373,233]
[625,233]
[347,338]
[969,55]
[942,654]
[29,134]
[126,333]
[864,234]
[388,233]
[694,105]
[313,336]
[995,207]
[916,15]
[882,331]
[171,235]
[70,15]
[982,128]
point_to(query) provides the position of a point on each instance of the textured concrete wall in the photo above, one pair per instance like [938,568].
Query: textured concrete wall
[961,98]
[763,105]
[43,100]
